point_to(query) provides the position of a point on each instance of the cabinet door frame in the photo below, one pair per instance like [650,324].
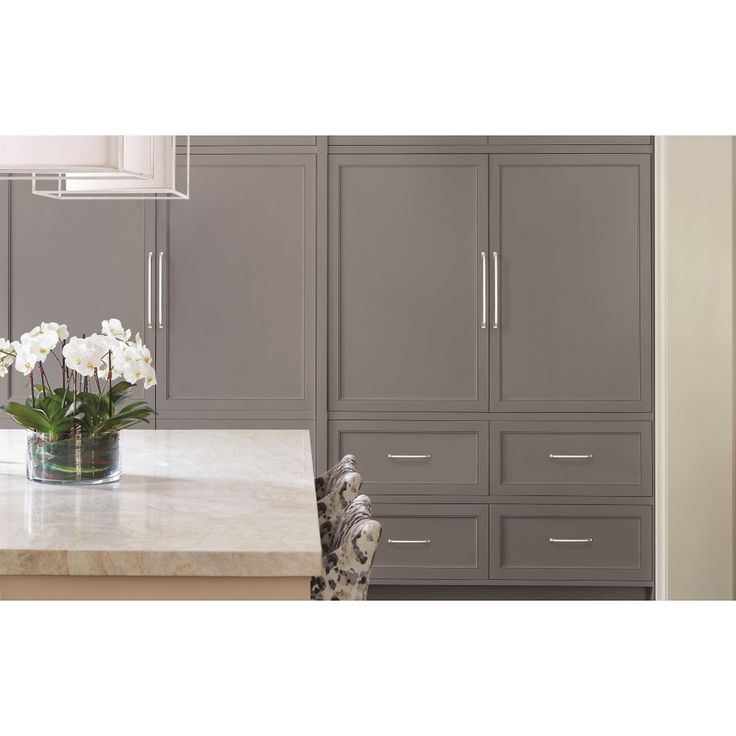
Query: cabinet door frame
[245,408]
[644,401]
[335,400]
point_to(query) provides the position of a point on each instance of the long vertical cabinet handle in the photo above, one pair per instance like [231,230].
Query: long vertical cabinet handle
[484,277]
[161,289]
[495,290]
[149,310]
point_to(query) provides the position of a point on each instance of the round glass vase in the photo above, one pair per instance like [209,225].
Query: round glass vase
[78,458]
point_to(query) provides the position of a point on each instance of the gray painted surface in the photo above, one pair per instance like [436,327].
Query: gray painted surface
[406,140]
[257,267]
[406,233]
[568,140]
[240,276]
[574,236]
[457,546]
[521,546]
[442,591]
[457,462]
[70,262]
[621,462]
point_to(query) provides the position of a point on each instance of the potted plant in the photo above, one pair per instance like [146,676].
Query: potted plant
[74,429]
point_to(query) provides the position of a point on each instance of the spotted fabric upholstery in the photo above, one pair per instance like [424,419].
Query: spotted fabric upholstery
[329,480]
[330,508]
[347,566]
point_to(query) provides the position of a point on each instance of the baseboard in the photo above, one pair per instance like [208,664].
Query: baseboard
[506,593]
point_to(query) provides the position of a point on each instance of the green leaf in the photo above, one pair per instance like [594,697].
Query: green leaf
[120,390]
[28,417]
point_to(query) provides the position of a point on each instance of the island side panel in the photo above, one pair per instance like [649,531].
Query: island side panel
[138,588]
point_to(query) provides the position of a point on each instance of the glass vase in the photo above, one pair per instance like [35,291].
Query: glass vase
[78,458]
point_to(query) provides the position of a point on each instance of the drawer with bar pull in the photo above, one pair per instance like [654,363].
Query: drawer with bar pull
[415,457]
[571,458]
[571,542]
[432,541]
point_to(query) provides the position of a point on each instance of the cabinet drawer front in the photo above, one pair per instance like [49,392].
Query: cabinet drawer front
[571,542]
[413,458]
[432,541]
[572,458]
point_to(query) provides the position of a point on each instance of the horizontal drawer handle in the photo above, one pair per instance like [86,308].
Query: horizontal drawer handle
[409,541]
[409,457]
[555,540]
[553,456]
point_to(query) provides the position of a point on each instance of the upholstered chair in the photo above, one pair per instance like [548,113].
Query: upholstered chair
[347,566]
[330,479]
[335,490]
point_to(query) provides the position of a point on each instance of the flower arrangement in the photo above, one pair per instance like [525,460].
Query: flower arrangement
[89,408]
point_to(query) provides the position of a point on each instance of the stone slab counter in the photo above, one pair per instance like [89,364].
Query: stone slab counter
[197,514]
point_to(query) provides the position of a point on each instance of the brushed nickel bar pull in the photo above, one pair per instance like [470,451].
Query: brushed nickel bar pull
[408,457]
[409,541]
[150,290]
[161,289]
[484,275]
[552,456]
[555,540]
[495,291]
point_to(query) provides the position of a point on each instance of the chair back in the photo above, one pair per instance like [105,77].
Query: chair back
[347,566]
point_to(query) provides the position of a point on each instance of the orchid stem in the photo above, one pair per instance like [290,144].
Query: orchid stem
[109,376]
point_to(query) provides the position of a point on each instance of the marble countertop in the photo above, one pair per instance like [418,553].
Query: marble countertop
[190,502]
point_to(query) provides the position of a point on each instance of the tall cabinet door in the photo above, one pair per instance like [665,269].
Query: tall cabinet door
[408,235]
[572,234]
[71,262]
[237,290]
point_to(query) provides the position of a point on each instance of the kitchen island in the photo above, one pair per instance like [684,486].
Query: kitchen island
[197,515]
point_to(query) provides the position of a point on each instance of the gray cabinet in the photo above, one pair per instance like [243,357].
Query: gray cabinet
[415,458]
[348,285]
[562,543]
[237,282]
[406,233]
[71,262]
[557,458]
[573,238]
[432,541]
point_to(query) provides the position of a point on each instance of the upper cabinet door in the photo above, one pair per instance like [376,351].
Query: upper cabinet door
[71,262]
[573,238]
[238,289]
[406,234]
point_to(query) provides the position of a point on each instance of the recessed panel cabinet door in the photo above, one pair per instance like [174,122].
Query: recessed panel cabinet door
[572,234]
[71,262]
[238,290]
[407,239]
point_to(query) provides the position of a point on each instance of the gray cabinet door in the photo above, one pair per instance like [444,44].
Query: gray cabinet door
[432,542]
[71,262]
[573,237]
[406,234]
[415,458]
[238,290]
[561,543]
[571,458]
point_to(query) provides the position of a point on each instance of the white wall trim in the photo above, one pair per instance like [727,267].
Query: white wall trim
[660,366]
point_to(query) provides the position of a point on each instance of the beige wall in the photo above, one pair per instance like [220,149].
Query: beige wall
[695,306]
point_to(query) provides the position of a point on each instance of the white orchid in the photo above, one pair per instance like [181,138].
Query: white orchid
[114,328]
[103,357]
[86,355]
[111,354]
[7,356]
[25,358]
[40,342]
[60,330]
